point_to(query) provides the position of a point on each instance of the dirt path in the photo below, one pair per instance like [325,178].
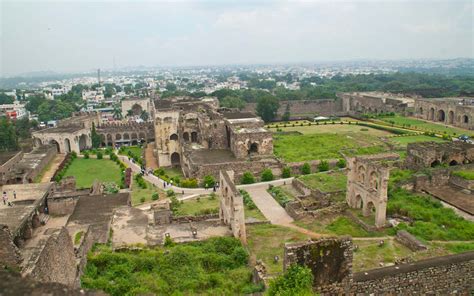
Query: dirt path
[150,159]
[52,167]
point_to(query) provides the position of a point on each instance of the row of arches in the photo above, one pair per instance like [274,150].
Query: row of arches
[441,116]
[373,180]
[186,137]
[65,145]
[123,138]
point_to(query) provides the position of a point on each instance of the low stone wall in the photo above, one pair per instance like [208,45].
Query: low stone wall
[62,206]
[295,210]
[56,262]
[409,241]
[437,276]
[86,245]
[184,219]
[301,187]
[462,183]
[259,274]
[61,166]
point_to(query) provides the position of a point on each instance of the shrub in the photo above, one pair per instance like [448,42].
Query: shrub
[341,163]
[306,169]
[267,175]
[188,183]
[140,181]
[142,199]
[248,202]
[159,172]
[170,193]
[99,155]
[247,178]
[86,155]
[323,166]
[208,181]
[73,154]
[286,172]
[297,280]
[155,196]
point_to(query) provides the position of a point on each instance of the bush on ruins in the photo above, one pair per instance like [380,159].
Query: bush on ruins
[306,169]
[208,181]
[247,178]
[323,166]
[286,172]
[267,175]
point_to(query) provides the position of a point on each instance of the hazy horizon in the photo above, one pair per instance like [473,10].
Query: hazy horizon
[78,36]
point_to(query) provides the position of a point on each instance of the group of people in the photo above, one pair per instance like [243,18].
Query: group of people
[5,198]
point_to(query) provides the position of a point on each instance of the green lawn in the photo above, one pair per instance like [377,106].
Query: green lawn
[294,147]
[195,207]
[88,170]
[173,172]
[405,140]
[424,125]
[135,150]
[265,241]
[138,193]
[326,182]
[465,174]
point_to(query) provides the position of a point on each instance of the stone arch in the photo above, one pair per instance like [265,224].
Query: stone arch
[420,110]
[451,117]
[186,136]
[374,184]
[142,136]
[435,163]
[253,148]
[361,174]
[126,137]
[118,137]
[134,142]
[465,119]
[82,142]
[109,140]
[55,143]
[194,137]
[37,142]
[453,162]
[432,114]
[369,209]
[67,145]
[359,202]
[137,109]
[175,159]
[174,137]
[441,116]
[134,136]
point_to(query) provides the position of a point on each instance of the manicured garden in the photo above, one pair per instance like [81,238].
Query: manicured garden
[326,182]
[297,147]
[87,170]
[146,193]
[408,122]
[201,205]
[217,266]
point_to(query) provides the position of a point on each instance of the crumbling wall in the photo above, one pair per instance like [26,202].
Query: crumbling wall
[9,254]
[57,260]
[409,241]
[62,206]
[231,210]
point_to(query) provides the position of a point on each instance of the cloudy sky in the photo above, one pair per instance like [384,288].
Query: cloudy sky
[67,36]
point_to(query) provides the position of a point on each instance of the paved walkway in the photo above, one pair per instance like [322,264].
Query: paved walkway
[150,159]
[49,173]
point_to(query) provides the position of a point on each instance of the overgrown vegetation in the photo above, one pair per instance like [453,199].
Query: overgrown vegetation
[326,182]
[431,221]
[297,280]
[279,195]
[465,174]
[217,266]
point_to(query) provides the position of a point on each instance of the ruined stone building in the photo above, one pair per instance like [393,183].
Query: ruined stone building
[374,102]
[432,154]
[231,210]
[367,185]
[202,138]
[453,111]
[137,106]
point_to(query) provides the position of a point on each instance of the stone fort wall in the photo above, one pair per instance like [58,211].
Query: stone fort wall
[305,108]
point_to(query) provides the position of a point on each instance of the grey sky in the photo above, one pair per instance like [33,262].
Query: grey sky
[82,35]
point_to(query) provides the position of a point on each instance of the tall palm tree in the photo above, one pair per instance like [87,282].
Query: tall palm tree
[117,113]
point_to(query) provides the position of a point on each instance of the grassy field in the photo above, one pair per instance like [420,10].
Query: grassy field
[325,182]
[265,241]
[196,207]
[294,147]
[173,172]
[405,140]
[335,129]
[135,150]
[369,255]
[88,170]
[340,225]
[468,175]
[139,193]
[424,125]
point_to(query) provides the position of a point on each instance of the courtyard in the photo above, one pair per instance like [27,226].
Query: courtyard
[86,171]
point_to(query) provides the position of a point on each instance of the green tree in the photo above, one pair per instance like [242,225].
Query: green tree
[306,169]
[117,113]
[8,137]
[208,181]
[34,102]
[323,166]
[341,163]
[267,175]
[22,127]
[297,280]
[171,87]
[286,116]
[267,108]
[6,99]
[95,137]
[286,172]
[233,102]
[247,178]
